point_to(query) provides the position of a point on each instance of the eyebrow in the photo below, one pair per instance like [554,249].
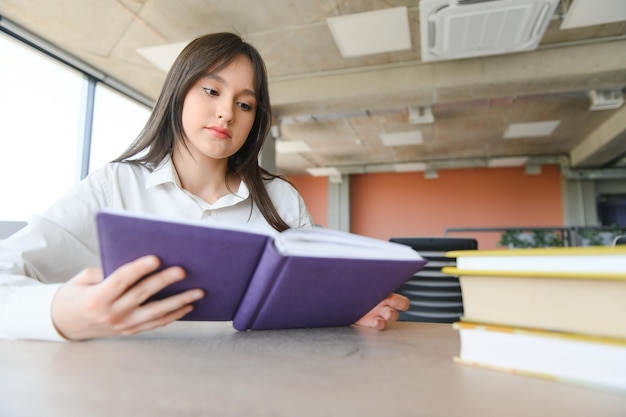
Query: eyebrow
[221,80]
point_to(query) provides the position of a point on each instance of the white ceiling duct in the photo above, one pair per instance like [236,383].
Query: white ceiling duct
[453,29]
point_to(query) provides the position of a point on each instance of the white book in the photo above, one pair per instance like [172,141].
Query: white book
[565,357]
[576,260]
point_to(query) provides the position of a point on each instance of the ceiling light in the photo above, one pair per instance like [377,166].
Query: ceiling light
[162,56]
[413,137]
[531,129]
[409,167]
[324,172]
[289,146]
[367,33]
[421,115]
[593,12]
[516,161]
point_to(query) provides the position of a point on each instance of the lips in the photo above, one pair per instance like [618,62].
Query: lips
[220,133]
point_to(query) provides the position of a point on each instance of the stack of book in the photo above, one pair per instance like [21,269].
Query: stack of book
[557,313]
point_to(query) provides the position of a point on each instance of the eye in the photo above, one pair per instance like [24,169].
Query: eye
[209,91]
[245,106]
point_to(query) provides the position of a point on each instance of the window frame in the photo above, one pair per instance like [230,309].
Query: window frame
[93,77]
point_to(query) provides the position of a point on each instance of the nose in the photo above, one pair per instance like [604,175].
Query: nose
[225,111]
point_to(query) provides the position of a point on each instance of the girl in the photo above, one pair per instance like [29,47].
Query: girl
[196,158]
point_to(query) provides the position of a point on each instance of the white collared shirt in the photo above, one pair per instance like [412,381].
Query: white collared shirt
[57,245]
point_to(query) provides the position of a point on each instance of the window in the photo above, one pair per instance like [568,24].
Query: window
[44,111]
[40,131]
[116,124]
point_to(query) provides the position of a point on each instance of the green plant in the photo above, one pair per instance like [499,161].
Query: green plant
[592,237]
[599,237]
[546,239]
[532,238]
[511,238]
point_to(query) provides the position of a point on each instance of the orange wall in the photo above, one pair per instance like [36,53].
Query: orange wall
[314,191]
[405,204]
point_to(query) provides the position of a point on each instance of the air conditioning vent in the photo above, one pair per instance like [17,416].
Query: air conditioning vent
[454,29]
[606,99]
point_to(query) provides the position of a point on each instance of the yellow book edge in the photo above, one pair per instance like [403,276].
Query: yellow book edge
[558,251]
[452,270]
[511,370]
[579,337]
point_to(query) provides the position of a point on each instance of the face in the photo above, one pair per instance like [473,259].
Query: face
[219,110]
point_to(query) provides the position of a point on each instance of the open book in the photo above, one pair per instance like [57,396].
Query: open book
[309,277]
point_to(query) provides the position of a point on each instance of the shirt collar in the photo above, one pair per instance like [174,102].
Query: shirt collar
[233,198]
[165,173]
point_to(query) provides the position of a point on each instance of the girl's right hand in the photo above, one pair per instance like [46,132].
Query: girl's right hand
[88,306]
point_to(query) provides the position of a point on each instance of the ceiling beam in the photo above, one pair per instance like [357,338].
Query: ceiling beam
[603,145]
[586,66]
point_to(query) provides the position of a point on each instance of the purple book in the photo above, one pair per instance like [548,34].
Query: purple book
[309,277]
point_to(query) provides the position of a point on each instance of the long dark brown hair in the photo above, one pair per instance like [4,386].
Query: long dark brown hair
[210,53]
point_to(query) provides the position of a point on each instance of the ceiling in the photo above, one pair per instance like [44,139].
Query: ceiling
[340,106]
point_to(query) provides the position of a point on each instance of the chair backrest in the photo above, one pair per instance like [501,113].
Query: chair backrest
[7,228]
[619,240]
[435,297]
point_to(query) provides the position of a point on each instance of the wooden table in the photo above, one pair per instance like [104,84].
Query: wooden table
[209,369]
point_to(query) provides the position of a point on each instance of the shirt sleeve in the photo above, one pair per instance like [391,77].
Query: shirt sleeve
[35,261]
[305,217]
[25,309]
[289,203]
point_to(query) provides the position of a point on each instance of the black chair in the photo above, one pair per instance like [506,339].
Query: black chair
[435,297]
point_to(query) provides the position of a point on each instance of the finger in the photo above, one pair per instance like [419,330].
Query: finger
[88,276]
[118,282]
[373,320]
[377,323]
[148,287]
[397,301]
[155,310]
[158,322]
[389,314]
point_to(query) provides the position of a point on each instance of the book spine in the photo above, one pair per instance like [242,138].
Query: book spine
[261,284]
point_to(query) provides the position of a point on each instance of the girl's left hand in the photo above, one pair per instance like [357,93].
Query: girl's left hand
[385,312]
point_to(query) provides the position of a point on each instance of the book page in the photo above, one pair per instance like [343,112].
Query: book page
[322,242]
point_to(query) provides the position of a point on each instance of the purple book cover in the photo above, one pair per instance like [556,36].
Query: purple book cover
[301,291]
[219,261]
[247,280]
